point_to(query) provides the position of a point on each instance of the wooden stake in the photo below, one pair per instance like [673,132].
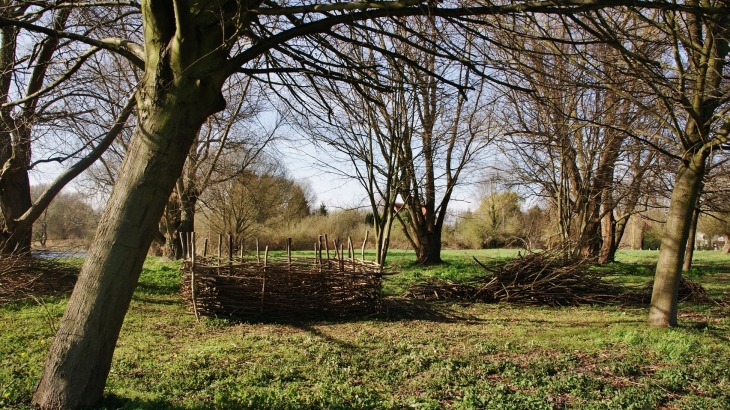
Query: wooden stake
[182,244]
[362,252]
[326,246]
[192,282]
[350,250]
[337,254]
[220,244]
[190,244]
[205,247]
[266,256]
[342,259]
[319,246]
[230,249]
[241,250]
[288,251]
[258,257]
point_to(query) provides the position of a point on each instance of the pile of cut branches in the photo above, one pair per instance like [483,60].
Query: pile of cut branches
[25,277]
[550,278]
[689,291]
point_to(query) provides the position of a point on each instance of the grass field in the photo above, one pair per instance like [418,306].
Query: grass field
[412,355]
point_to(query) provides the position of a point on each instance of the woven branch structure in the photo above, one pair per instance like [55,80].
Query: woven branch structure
[282,288]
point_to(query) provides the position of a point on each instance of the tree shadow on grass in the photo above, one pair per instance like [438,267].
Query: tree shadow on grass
[114,402]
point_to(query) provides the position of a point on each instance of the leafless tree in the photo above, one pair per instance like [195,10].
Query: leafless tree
[188,51]
[41,83]
[568,135]
[689,79]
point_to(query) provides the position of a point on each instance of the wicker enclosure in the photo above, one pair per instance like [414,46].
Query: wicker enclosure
[282,288]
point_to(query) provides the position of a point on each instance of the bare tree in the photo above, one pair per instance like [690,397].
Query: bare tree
[689,80]
[49,75]
[451,129]
[361,128]
[189,50]
[568,134]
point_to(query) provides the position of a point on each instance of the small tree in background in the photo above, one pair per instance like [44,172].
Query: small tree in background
[68,216]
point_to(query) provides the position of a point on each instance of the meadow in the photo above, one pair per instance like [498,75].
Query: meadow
[423,355]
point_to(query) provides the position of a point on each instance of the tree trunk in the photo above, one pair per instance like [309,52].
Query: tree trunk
[726,248]
[79,359]
[590,242]
[690,248]
[609,245]
[688,182]
[187,213]
[637,232]
[15,192]
[171,223]
[429,250]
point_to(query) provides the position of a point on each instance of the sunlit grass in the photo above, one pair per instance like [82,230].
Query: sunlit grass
[426,356]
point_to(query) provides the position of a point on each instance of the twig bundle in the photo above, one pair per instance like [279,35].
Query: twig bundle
[551,278]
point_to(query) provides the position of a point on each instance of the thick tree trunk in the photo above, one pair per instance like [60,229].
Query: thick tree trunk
[15,191]
[429,250]
[590,241]
[619,231]
[80,356]
[637,232]
[690,248]
[726,248]
[687,185]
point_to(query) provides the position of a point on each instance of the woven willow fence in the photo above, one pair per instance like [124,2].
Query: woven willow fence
[280,288]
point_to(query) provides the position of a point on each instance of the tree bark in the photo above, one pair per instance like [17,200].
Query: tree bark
[172,107]
[688,182]
[429,251]
[171,224]
[609,245]
[590,241]
[15,192]
[690,248]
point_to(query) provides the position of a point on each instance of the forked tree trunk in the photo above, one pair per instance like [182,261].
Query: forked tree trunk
[179,219]
[687,185]
[79,360]
[187,214]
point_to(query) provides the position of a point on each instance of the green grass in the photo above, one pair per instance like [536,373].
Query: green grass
[458,266]
[424,356]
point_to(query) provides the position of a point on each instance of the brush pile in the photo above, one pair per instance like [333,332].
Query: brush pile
[26,277]
[551,278]
[284,290]
[689,291]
